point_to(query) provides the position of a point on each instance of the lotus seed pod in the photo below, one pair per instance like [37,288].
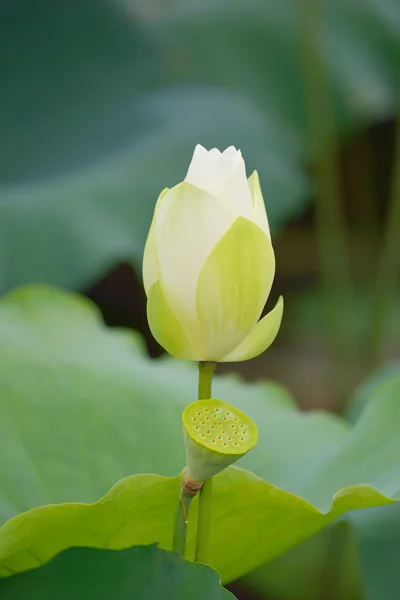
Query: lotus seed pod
[216,435]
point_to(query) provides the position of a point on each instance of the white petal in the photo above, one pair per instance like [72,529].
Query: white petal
[199,167]
[235,193]
[189,223]
[231,152]
[214,154]
[223,176]
[210,169]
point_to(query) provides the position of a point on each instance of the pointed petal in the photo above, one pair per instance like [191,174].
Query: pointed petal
[259,338]
[209,169]
[233,287]
[189,223]
[259,215]
[231,151]
[151,271]
[235,193]
[224,176]
[165,327]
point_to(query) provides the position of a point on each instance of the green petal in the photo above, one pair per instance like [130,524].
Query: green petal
[259,215]
[259,338]
[165,327]
[151,270]
[233,287]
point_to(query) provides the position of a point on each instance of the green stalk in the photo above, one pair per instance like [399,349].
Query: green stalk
[389,264]
[204,522]
[180,524]
[206,372]
[339,573]
[331,231]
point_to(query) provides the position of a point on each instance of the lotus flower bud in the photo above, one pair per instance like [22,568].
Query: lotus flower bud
[209,264]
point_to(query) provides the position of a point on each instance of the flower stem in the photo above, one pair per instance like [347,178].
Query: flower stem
[331,227]
[389,264]
[181,519]
[204,522]
[206,372]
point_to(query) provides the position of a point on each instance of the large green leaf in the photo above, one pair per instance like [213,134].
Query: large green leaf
[82,407]
[143,573]
[252,521]
[88,396]
[96,127]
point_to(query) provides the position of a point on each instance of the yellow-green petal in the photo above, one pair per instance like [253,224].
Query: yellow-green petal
[233,287]
[151,270]
[259,214]
[164,325]
[189,223]
[259,338]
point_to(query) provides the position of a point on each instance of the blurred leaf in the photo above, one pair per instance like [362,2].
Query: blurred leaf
[143,573]
[370,391]
[378,532]
[296,575]
[324,566]
[82,407]
[359,43]
[94,131]
[378,529]
[104,102]
[300,574]
[368,454]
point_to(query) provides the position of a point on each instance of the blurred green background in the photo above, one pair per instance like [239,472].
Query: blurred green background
[102,103]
